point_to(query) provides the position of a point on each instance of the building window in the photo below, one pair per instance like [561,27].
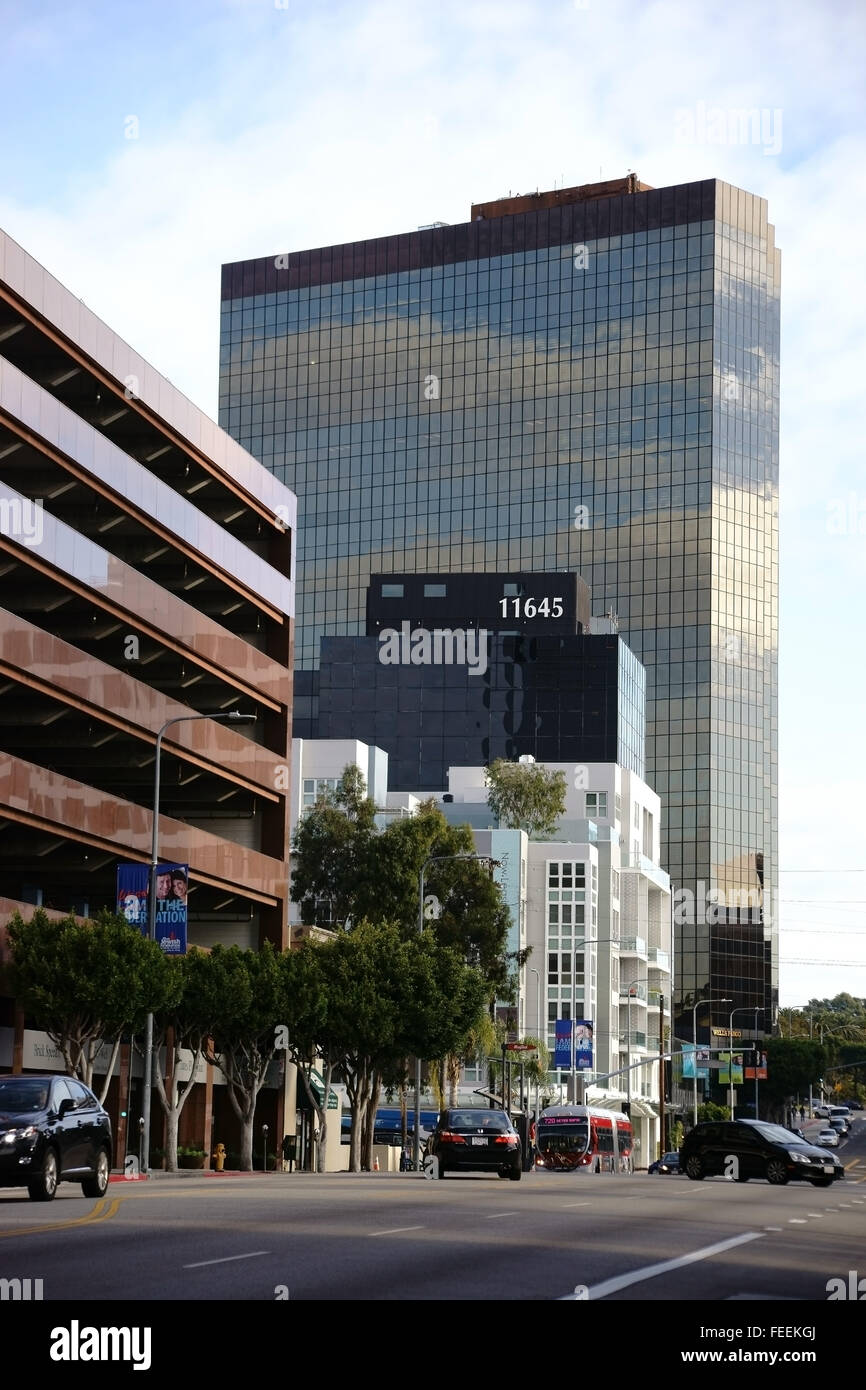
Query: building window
[636,816]
[314,787]
[392,591]
[614,884]
[435,590]
[596,805]
[511,590]
[617,808]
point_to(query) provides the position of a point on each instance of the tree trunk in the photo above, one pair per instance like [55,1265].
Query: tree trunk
[172,1121]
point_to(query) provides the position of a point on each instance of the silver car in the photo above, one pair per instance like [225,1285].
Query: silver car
[828,1139]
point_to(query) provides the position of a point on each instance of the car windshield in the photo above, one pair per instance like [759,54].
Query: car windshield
[777,1133]
[18,1096]
[478,1119]
[671,1158]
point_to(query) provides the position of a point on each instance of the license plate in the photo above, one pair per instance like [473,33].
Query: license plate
[828,1168]
[482,1141]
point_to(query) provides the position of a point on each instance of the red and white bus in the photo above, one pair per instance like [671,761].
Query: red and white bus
[583,1138]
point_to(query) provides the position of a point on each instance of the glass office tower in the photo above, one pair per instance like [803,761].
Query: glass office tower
[585,381]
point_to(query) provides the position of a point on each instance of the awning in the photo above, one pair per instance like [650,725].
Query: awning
[317,1082]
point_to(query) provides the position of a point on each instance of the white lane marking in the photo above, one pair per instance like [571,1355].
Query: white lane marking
[637,1276]
[395,1230]
[566,1205]
[226,1259]
[816,1214]
[772,1228]
[797,1221]
[499,1215]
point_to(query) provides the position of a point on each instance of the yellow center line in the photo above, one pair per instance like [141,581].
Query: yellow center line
[100,1212]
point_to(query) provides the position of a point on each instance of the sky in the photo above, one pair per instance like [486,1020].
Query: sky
[141,146]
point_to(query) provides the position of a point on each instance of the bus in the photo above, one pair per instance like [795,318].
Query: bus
[583,1138]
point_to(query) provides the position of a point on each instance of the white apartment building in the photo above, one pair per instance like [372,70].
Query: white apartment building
[592,905]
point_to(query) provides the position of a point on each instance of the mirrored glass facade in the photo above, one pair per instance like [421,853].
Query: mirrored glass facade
[591,388]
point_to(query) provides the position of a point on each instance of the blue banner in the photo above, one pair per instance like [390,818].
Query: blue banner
[562,1049]
[695,1062]
[583,1044]
[172,883]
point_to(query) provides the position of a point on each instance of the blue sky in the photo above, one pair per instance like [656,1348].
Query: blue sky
[260,127]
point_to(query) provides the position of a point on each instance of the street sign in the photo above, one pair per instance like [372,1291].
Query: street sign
[525,1052]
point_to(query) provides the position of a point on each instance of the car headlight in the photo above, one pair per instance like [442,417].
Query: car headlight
[799,1158]
[13,1135]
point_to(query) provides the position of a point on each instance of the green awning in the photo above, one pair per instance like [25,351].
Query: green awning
[317,1082]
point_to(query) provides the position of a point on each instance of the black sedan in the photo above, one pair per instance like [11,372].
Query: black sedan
[52,1130]
[668,1163]
[474,1141]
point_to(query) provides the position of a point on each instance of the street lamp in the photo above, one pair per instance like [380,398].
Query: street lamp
[745,1009]
[629,988]
[542,1038]
[235,717]
[695,1042]
[431,859]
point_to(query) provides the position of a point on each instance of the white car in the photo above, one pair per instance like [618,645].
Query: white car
[821,1112]
[828,1139]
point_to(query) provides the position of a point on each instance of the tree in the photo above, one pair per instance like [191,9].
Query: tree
[344,869]
[330,852]
[526,796]
[87,983]
[308,1028]
[249,1009]
[793,1066]
[389,996]
[189,1016]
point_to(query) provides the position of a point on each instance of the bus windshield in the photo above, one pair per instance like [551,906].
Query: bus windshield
[569,1138]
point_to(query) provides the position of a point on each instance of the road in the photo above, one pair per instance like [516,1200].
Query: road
[401,1237]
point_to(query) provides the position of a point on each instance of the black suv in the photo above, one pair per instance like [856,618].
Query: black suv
[471,1141]
[744,1149]
[52,1129]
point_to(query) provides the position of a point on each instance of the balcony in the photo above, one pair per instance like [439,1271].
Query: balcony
[633,946]
[637,992]
[658,958]
[655,997]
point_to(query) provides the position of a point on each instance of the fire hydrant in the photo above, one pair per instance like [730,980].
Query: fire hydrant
[220,1157]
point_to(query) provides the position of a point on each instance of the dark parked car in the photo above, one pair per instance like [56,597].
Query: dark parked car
[761,1150]
[52,1129]
[476,1141]
[668,1163]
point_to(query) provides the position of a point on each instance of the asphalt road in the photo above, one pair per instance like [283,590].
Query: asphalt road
[402,1237]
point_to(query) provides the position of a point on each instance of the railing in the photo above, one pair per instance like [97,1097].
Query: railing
[632,945]
[659,958]
[638,991]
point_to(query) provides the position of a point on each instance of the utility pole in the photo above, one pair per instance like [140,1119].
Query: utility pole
[662,1139]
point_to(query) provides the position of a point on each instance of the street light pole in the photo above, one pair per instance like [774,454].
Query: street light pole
[744,1009]
[542,1038]
[234,717]
[431,859]
[695,1045]
[629,988]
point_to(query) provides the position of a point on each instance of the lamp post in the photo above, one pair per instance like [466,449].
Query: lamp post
[234,717]
[745,1009]
[431,859]
[542,1037]
[695,1043]
[629,988]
